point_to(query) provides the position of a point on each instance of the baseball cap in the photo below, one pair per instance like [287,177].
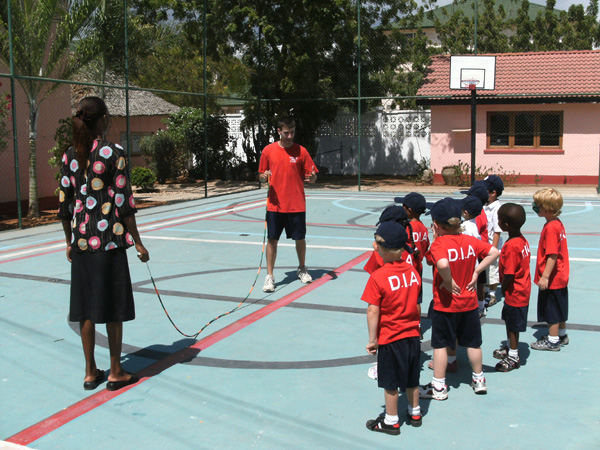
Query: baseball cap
[494,183]
[392,213]
[414,201]
[394,235]
[472,205]
[479,190]
[445,209]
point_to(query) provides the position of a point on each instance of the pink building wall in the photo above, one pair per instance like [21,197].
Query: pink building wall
[577,163]
[53,108]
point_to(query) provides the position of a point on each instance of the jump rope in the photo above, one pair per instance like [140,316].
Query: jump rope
[262,254]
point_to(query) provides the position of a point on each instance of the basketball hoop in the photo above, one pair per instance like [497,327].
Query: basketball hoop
[469,84]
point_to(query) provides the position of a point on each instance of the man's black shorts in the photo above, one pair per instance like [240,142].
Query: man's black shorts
[293,223]
[399,364]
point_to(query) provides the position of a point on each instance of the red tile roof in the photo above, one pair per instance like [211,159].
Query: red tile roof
[559,75]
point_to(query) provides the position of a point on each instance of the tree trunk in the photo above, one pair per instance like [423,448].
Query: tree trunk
[34,209]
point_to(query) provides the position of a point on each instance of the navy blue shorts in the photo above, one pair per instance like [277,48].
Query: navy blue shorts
[293,223]
[482,277]
[447,327]
[515,317]
[553,305]
[399,364]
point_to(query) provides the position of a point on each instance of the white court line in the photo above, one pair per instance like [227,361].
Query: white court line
[330,247]
[224,210]
[33,250]
[217,241]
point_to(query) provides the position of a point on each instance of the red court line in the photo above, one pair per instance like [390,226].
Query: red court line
[85,405]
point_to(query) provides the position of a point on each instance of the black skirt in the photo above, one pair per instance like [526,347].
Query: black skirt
[101,287]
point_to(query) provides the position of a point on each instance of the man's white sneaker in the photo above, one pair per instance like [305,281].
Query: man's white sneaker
[304,275]
[269,285]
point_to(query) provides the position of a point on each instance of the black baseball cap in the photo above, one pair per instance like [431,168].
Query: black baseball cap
[443,210]
[394,235]
[472,205]
[494,183]
[392,213]
[479,190]
[414,201]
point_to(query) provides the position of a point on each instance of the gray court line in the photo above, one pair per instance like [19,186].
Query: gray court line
[149,353]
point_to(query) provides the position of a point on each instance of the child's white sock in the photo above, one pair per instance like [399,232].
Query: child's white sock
[439,383]
[390,420]
[553,339]
[416,411]
[478,376]
[514,354]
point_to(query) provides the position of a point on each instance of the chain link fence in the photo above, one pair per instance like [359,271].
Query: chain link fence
[356,110]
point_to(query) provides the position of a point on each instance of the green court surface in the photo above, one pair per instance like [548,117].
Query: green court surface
[288,370]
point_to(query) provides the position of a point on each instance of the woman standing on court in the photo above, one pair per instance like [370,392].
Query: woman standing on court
[97,212]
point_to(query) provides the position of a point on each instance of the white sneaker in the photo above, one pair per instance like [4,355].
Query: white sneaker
[428,391]
[269,285]
[372,372]
[304,275]
[479,387]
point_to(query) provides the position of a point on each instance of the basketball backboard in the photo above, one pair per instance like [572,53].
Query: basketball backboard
[468,72]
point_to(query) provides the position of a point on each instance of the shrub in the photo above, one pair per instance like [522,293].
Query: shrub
[187,130]
[160,153]
[143,178]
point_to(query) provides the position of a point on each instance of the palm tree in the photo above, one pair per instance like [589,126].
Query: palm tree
[52,39]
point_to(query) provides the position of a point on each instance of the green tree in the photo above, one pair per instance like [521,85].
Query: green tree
[297,53]
[546,30]
[522,40]
[186,128]
[51,39]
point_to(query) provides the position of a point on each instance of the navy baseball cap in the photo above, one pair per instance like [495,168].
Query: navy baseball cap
[394,235]
[479,190]
[494,183]
[393,213]
[414,201]
[472,205]
[445,209]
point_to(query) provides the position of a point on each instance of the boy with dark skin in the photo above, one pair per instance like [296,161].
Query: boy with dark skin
[515,283]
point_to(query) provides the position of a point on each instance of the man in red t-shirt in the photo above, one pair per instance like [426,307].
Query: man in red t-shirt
[286,165]
[515,282]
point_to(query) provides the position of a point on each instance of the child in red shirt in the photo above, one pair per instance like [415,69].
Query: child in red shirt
[552,271]
[455,316]
[393,324]
[515,282]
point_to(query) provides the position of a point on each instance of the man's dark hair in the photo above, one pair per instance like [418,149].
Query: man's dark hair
[287,122]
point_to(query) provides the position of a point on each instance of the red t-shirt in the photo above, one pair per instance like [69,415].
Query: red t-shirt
[514,260]
[288,166]
[420,237]
[482,226]
[553,241]
[462,251]
[395,289]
